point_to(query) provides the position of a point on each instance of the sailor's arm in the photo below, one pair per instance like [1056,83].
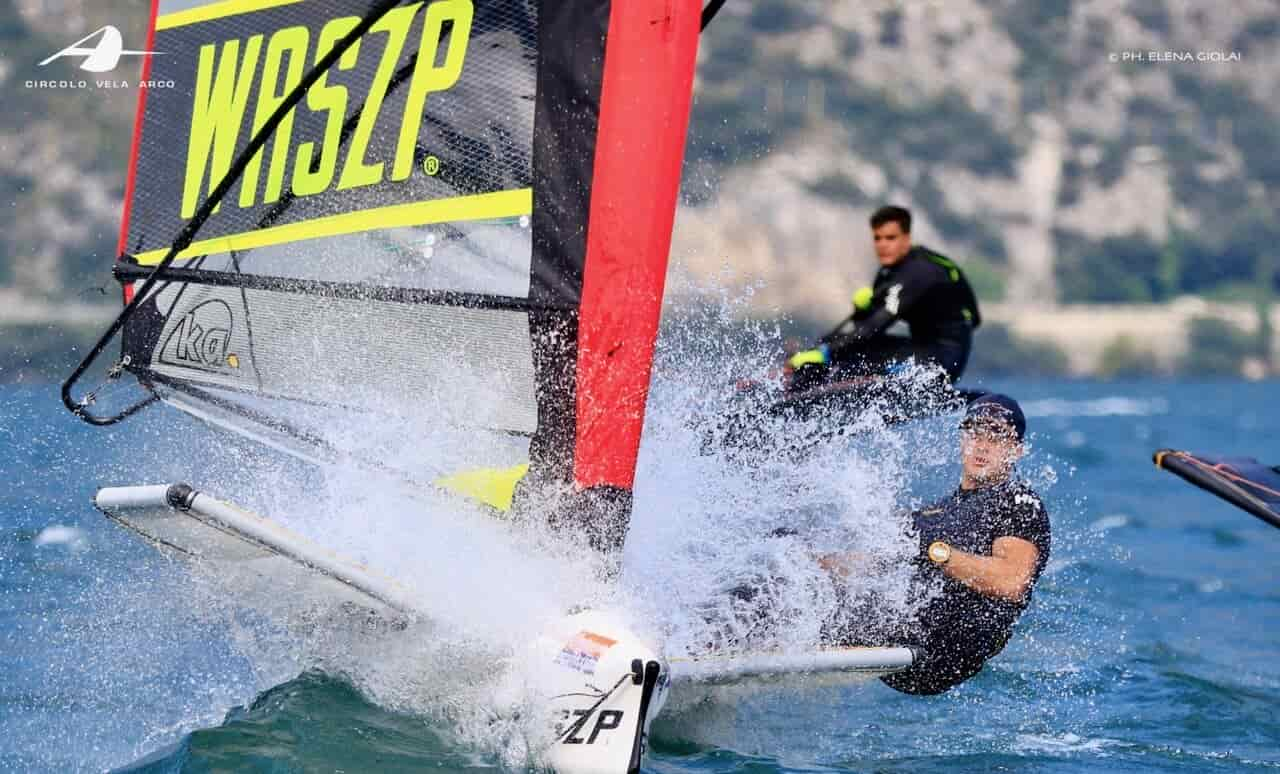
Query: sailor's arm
[889,303]
[855,329]
[1006,574]
[874,312]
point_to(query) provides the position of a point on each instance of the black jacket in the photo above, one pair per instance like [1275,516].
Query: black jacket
[959,629]
[925,289]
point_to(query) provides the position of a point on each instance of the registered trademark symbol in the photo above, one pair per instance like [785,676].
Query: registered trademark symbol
[431,165]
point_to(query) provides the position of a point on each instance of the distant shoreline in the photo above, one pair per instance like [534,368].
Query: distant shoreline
[1081,340]
[1164,338]
[19,309]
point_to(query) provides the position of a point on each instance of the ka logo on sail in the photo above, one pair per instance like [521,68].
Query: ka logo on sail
[201,339]
[104,56]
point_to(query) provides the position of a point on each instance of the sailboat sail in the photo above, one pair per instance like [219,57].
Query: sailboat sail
[465,217]
[1241,481]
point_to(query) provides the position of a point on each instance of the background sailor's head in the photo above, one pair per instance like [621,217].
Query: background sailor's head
[991,436]
[891,233]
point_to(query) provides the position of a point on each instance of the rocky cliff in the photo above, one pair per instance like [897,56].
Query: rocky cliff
[1103,150]
[1066,150]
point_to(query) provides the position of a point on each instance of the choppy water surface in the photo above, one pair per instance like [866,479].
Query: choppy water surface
[1152,644]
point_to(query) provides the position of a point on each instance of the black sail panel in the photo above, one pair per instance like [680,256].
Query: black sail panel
[1241,481]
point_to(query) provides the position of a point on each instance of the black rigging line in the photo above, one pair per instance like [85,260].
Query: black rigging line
[185,237]
[709,12]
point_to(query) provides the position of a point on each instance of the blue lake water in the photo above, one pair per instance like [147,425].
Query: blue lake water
[1153,642]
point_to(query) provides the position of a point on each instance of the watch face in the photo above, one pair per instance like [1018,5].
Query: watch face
[939,552]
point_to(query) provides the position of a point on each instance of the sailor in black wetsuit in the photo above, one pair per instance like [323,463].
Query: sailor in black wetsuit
[987,544]
[915,284]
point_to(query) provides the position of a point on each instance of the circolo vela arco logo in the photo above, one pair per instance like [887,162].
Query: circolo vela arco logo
[102,57]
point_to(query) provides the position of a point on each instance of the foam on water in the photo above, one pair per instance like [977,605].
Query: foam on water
[1110,406]
[62,535]
[114,652]
[1061,743]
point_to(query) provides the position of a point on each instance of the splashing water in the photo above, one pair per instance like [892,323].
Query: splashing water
[112,655]
[708,519]
[704,524]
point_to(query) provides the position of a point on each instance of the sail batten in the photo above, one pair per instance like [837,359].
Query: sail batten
[496,206]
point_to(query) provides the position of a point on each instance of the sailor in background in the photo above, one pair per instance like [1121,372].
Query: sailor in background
[987,543]
[915,284]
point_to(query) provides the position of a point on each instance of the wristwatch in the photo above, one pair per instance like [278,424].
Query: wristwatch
[939,552]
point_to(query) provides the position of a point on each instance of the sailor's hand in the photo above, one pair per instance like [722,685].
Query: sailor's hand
[806,357]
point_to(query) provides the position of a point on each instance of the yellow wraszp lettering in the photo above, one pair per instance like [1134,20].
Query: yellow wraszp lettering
[293,42]
[216,116]
[355,172]
[331,99]
[428,77]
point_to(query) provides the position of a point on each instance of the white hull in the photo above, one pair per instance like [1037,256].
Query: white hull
[602,683]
